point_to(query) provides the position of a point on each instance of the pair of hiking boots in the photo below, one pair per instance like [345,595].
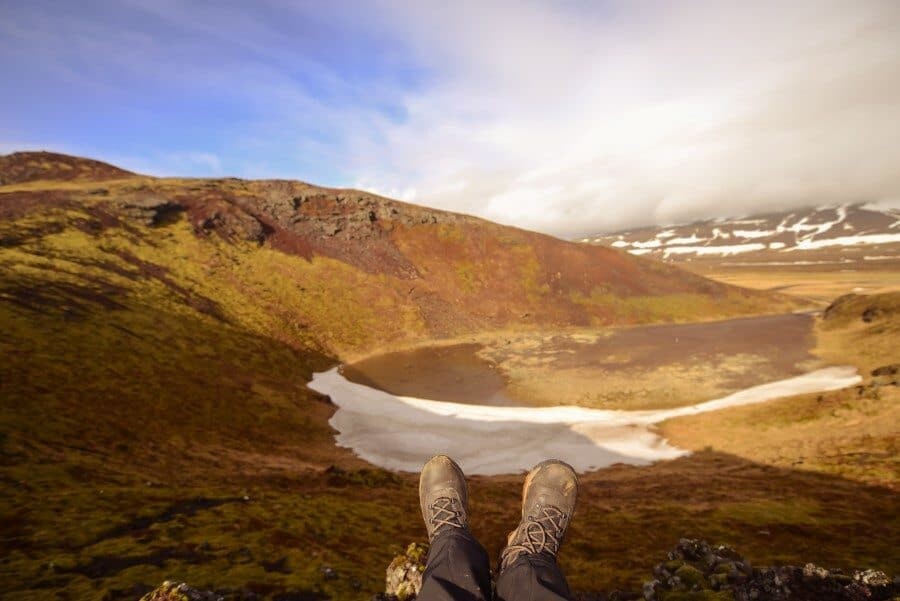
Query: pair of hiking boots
[548,500]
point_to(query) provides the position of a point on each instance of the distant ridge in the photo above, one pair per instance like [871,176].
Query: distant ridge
[22,167]
[858,232]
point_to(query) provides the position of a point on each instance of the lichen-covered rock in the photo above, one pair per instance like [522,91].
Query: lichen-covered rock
[697,571]
[403,578]
[872,578]
[693,571]
[174,591]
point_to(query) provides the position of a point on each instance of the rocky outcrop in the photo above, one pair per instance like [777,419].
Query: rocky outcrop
[174,591]
[150,209]
[403,579]
[232,225]
[693,571]
[699,571]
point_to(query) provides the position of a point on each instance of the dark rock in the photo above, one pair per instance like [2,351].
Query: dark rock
[240,556]
[887,370]
[329,573]
[870,314]
[887,375]
[235,225]
[152,210]
[279,566]
[697,570]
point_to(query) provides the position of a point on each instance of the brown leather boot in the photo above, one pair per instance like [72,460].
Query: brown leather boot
[443,496]
[548,500]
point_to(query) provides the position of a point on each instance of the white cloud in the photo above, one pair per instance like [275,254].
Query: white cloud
[565,117]
[571,118]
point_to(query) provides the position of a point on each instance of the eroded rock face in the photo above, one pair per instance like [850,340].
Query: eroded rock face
[231,225]
[150,209]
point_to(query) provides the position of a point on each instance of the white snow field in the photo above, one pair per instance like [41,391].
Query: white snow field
[401,433]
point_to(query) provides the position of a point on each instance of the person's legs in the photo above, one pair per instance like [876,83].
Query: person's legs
[457,567]
[533,578]
[528,568]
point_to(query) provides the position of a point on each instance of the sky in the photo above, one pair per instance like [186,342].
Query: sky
[567,117]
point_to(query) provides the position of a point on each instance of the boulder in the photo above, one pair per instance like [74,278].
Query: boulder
[403,578]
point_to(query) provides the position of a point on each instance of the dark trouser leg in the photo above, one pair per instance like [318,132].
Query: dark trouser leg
[457,569]
[533,578]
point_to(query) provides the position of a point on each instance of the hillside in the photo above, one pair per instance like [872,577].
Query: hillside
[337,270]
[850,235]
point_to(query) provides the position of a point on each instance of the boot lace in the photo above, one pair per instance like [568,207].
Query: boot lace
[539,533]
[446,513]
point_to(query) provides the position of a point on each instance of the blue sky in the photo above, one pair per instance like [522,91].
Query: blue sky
[564,117]
[206,88]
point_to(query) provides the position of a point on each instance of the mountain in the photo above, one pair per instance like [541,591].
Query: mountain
[857,233]
[341,271]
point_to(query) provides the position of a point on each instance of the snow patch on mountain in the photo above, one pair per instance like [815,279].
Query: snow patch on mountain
[834,228]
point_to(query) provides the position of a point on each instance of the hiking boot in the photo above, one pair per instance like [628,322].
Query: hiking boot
[548,500]
[443,496]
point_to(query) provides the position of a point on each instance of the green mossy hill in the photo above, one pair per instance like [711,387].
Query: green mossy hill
[342,271]
[864,329]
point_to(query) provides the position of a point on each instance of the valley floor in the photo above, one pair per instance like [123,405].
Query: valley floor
[818,283]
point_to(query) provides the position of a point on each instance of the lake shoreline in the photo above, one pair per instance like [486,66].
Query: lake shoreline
[400,433]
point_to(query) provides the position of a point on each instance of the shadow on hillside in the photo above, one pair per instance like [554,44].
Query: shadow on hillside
[352,521]
[628,517]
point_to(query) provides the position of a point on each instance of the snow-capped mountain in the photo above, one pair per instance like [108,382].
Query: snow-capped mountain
[846,233]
